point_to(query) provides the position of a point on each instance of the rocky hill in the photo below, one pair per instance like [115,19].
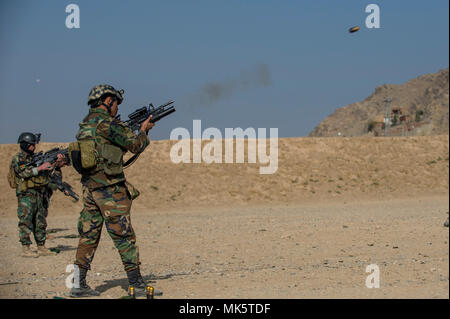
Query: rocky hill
[422,106]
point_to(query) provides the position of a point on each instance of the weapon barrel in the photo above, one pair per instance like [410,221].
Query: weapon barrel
[166,104]
[136,118]
[72,194]
[159,116]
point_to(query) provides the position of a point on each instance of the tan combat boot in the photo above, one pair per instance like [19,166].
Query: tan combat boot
[27,252]
[43,251]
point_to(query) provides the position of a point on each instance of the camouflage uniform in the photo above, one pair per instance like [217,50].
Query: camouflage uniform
[33,194]
[106,197]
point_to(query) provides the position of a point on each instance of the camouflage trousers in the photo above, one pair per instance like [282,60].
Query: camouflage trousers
[110,205]
[32,210]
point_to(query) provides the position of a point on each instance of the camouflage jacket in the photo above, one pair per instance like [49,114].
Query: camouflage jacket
[28,178]
[101,127]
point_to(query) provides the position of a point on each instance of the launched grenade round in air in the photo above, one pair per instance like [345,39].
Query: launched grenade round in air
[353,29]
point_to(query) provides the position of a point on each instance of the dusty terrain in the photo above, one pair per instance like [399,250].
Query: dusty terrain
[334,206]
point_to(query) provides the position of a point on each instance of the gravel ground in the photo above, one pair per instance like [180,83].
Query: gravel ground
[314,250]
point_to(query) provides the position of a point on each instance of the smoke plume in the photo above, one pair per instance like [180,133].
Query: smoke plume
[248,78]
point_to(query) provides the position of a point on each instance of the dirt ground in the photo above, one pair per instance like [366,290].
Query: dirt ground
[310,230]
[300,251]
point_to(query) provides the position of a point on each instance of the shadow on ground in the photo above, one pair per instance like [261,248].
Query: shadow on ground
[61,248]
[67,236]
[123,282]
[56,230]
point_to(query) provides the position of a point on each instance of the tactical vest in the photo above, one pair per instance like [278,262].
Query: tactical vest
[34,182]
[22,184]
[95,158]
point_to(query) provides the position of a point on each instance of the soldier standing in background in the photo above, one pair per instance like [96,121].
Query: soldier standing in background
[33,191]
[102,140]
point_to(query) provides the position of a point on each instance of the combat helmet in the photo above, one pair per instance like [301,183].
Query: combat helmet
[102,89]
[29,138]
[26,139]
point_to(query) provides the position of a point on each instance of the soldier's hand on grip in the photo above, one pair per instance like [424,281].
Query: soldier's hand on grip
[61,161]
[44,167]
[147,125]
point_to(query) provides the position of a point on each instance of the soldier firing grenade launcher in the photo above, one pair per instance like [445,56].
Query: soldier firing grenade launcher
[136,118]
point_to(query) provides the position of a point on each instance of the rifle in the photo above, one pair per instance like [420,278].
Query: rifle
[136,118]
[63,186]
[50,156]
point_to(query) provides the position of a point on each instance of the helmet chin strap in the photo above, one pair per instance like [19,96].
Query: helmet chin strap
[25,147]
[109,106]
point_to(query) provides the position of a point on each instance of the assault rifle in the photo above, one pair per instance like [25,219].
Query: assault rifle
[50,156]
[63,186]
[136,118]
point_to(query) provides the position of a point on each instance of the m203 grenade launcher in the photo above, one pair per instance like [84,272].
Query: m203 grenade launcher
[136,118]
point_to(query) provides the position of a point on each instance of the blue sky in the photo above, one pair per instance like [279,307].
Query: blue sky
[162,50]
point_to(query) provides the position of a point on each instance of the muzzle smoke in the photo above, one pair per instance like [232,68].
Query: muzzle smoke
[248,78]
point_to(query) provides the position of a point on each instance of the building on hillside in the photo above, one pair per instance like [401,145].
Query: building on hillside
[399,124]
[400,116]
[376,126]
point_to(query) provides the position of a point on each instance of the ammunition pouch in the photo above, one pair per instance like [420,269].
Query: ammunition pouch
[22,186]
[83,155]
[12,178]
[33,182]
[37,181]
[112,159]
